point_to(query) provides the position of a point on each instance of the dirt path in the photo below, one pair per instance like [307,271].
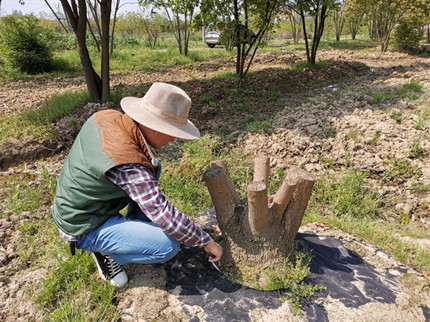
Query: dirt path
[322,119]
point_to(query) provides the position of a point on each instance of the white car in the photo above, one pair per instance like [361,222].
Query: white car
[211,37]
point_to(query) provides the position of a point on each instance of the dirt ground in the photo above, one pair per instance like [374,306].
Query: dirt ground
[322,118]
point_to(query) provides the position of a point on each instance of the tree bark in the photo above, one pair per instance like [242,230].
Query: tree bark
[106,7]
[77,14]
[258,231]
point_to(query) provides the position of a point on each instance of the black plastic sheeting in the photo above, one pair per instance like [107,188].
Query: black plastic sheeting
[332,265]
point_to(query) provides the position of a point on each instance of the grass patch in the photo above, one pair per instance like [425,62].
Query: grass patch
[344,201]
[347,195]
[409,90]
[23,198]
[37,123]
[182,181]
[71,293]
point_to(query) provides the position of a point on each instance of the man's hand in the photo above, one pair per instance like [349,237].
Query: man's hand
[214,250]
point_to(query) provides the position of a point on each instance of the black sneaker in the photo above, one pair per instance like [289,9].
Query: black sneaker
[110,270]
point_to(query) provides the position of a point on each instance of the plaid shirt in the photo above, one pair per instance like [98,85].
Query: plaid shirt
[139,183]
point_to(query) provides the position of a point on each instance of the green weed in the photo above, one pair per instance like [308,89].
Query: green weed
[288,278]
[208,98]
[347,195]
[327,132]
[73,124]
[373,141]
[399,169]
[396,116]
[420,124]
[404,218]
[420,187]
[416,151]
[50,182]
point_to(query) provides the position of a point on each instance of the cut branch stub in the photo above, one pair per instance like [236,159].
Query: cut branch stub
[222,192]
[293,214]
[258,212]
[261,169]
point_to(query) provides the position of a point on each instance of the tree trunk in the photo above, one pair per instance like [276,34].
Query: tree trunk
[113,25]
[258,231]
[93,80]
[77,15]
[105,7]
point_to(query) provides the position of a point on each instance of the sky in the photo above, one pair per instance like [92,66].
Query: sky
[37,6]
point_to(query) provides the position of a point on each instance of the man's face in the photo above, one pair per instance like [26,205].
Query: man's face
[156,139]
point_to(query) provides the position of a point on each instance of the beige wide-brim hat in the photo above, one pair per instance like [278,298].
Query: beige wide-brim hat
[164,108]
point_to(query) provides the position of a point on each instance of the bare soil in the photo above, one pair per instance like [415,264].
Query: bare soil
[323,118]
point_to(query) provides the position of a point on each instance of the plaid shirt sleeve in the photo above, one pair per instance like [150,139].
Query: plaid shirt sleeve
[138,182]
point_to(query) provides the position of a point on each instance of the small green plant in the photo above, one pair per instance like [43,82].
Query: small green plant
[327,132]
[249,119]
[208,98]
[420,187]
[374,140]
[73,124]
[399,169]
[404,218]
[240,107]
[50,181]
[420,124]
[351,135]
[396,116]
[416,151]
[337,93]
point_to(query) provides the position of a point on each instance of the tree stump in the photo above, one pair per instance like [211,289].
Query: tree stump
[258,231]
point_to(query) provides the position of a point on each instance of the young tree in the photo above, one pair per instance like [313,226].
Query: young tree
[318,10]
[240,18]
[385,14]
[339,19]
[295,21]
[76,10]
[152,29]
[354,13]
[180,15]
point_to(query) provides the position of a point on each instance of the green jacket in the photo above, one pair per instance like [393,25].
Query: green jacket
[84,198]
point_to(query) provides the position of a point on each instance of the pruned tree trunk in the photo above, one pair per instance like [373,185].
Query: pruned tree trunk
[258,231]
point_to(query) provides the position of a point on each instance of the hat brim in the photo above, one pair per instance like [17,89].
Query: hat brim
[134,108]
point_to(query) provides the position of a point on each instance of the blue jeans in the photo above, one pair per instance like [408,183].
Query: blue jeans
[131,239]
